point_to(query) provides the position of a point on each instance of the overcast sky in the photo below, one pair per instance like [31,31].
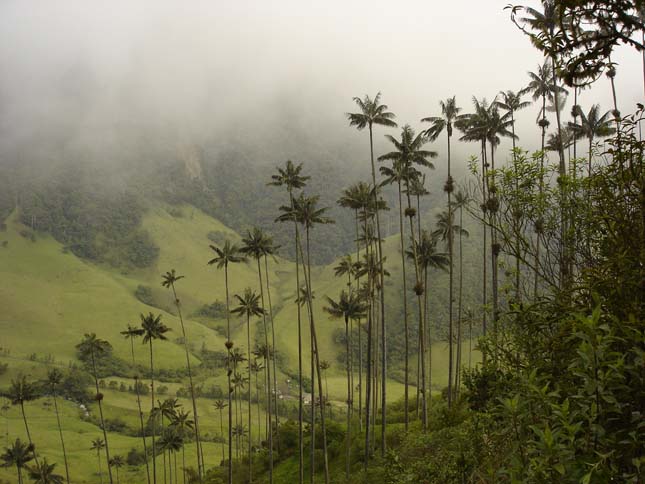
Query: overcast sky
[206,68]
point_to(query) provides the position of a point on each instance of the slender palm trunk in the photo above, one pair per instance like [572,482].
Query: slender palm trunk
[494,254]
[518,296]
[19,474]
[107,447]
[200,457]
[450,291]
[141,426]
[268,372]
[228,376]
[62,441]
[460,300]
[405,312]
[275,373]
[301,474]
[540,192]
[248,359]
[31,442]
[154,419]
[382,301]
[425,335]
[221,429]
[349,402]
[98,457]
[358,328]
[368,369]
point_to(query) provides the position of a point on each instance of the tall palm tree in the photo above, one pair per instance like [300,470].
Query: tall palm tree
[43,473]
[428,258]
[153,329]
[19,455]
[98,445]
[511,102]
[131,333]
[371,113]
[95,348]
[54,379]
[22,391]
[446,230]
[169,279]
[408,152]
[166,410]
[220,405]
[290,177]
[249,306]
[461,201]
[305,211]
[171,442]
[117,462]
[592,125]
[349,307]
[224,256]
[182,424]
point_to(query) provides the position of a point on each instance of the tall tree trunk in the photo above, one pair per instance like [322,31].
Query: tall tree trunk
[450,291]
[275,373]
[154,419]
[200,463]
[484,264]
[228,377]
[248,359]
[141,426]
[540,192]
[268,370]
[460,300]
[62,441]
[31,442]
[98,456]
[405,311]
[99,397]
[349,402]
[382,299]
[494,253]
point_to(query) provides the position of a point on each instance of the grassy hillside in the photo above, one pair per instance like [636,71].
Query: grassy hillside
[50,298]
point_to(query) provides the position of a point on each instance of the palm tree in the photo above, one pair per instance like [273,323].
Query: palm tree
[22,391]
[95,348]
[461,201]
[220,405]
[98,445]
[249,306]
[166,410]
[511,102]
[117,462]
[349,307]
[54,379]
[153,329]
[446,229]
[44,473]
[131,333]
[224,256]
[591,126]
[449,114]
[169,279]
[182,424]
[306,212]
[408,152]
[291,178]
[171,441]
[428,258]
[19,454]
[372,113]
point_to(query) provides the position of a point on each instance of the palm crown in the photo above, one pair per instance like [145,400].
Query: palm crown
[248,304]
[449,114]
[349,306]
[153,328]
[225,255]
[371,112]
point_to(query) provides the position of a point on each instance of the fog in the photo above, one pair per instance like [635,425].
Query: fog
[272,78]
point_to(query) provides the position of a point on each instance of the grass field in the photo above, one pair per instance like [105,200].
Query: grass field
[50,298]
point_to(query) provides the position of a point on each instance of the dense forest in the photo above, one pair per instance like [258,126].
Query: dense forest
[528,268]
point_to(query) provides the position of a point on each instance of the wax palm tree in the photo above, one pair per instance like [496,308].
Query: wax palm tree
[290,177]
[131,333]
[428,258]
[348,307]
[371,113]
[239,383]
[183,424]
[22,391]
[462,200]
[305,211]
[167,410]
[117,462]
[43,473]
[592,125]
[220,405]
[171,442]
[257,368]
[224,256]
[98,445]
[169,279]
[153,329]
[249,306]
[54,379]
[19,455]
[408,153]
[94,348]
